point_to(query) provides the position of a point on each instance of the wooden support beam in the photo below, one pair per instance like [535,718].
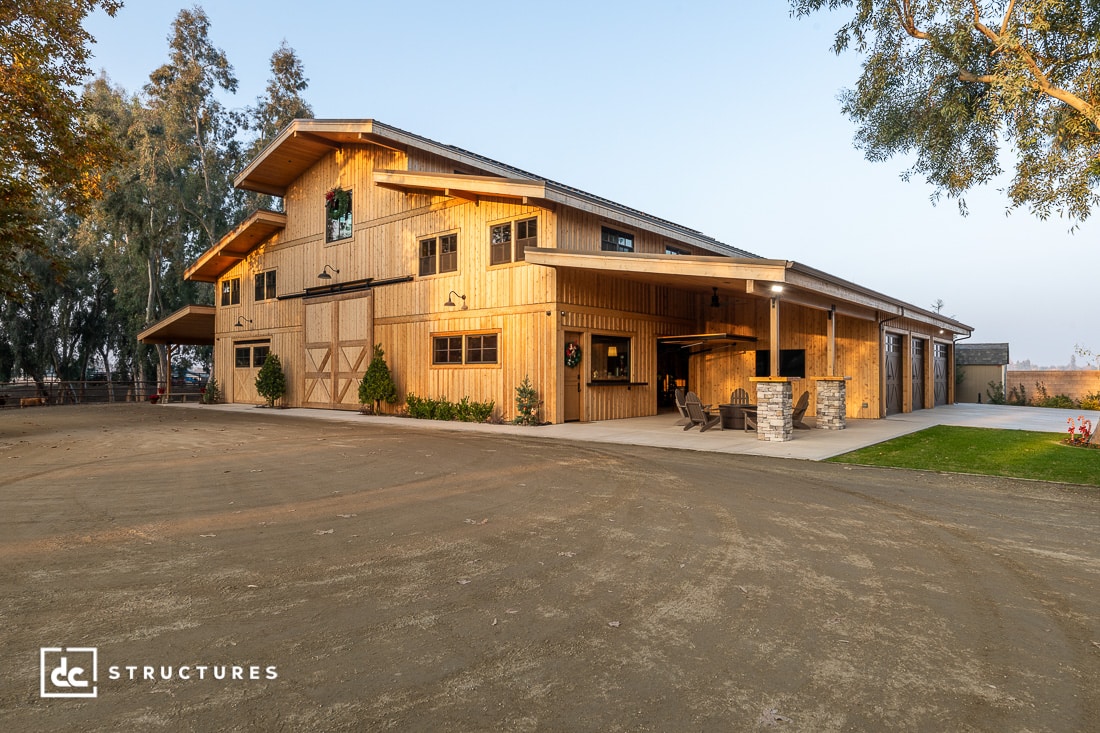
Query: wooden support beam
[317,139]
[831,349]
[773,354]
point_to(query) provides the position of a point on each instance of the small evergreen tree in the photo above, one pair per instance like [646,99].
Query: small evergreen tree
[527,404]
[271,382]
[377,383]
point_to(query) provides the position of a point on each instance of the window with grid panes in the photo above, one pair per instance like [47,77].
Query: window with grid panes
[447,350]
[500,243]
[527,235]
[612,240]
[427,256]
[265,285]
[481,348]
[231,291]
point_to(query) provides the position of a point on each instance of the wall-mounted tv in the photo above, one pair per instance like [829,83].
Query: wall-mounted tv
[792,363]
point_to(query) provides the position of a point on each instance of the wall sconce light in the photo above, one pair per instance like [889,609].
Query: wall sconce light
[714,302]
[324,273]
[238,324]
[777,288]
[451,304]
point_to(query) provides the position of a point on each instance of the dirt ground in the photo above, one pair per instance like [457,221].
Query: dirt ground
[419,580]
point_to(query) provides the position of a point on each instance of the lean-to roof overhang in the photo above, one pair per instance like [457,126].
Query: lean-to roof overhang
[304,142]
[191,324]
[750,276]
[235,246]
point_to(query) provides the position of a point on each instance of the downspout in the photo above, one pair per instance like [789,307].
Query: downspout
[951,380]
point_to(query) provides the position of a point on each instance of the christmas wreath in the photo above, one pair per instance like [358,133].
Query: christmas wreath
[572,354]
[338,203]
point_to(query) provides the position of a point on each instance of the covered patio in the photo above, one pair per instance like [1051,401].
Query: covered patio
[192,325]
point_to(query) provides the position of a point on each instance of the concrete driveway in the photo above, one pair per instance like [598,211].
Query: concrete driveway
[660,430]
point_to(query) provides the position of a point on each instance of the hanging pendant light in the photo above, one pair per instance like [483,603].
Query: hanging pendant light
[714,302]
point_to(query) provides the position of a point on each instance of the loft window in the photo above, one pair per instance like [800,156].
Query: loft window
[439,254]
[612,240]
[523,234]
[265,285]
[337,215]
[427,256]
[670,250]
[231,291]
[611,357]
[500,244]
[481,349]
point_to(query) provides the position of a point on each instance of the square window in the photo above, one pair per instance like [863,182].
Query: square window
[337,215]
[500,244]
[259,354]
[481,349]
[427,256]
[447,350]
[243,356]
[612,240]
[611,357]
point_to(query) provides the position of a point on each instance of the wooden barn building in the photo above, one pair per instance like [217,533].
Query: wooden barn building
[473,274]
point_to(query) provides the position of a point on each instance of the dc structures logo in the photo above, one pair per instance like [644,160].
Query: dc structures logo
[69,671]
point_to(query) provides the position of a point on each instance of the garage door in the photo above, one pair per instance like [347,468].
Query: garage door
[918,374]
[939,363]
[892,363]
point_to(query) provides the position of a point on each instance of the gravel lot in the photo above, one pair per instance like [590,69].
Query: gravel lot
[407,579]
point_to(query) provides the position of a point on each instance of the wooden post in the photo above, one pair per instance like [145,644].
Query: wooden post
[773,365]
[831,358]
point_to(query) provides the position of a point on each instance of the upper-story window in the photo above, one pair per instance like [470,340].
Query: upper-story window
[670,250]
[509,241]
[265,285]
[439,254]
[612,240]
[337,215]
[231,291]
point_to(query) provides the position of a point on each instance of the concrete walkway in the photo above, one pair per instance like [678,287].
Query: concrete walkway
[660,431]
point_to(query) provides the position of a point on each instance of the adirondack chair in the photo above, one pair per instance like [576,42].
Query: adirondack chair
[701,417]
[739,397]
[685,419]
[800,411]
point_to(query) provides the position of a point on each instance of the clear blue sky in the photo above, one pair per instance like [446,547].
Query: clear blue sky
[717,117]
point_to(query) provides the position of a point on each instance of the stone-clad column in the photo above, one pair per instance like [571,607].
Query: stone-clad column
[773,409]
[832,398]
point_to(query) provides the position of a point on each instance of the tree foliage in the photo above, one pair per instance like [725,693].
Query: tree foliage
[951,81]
[48,142]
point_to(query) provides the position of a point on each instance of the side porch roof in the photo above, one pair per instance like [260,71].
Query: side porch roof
[792,281]
[236,245]
[191,324]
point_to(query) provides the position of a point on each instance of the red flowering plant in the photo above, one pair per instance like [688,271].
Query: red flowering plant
[1080,432]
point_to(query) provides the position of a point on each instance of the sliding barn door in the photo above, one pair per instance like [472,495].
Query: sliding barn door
[338,340]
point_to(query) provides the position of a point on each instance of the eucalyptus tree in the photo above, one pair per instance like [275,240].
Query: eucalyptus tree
[952,82]
[281,103]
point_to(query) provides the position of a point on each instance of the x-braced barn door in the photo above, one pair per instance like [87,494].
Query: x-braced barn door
[892,363]
[338,349]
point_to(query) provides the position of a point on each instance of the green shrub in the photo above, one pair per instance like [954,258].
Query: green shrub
[1091,401]
[271,382]
[466,410]
[527,404]
[996,393]
[377,383]
[212,394]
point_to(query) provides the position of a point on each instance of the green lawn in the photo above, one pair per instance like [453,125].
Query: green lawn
[1016,453]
